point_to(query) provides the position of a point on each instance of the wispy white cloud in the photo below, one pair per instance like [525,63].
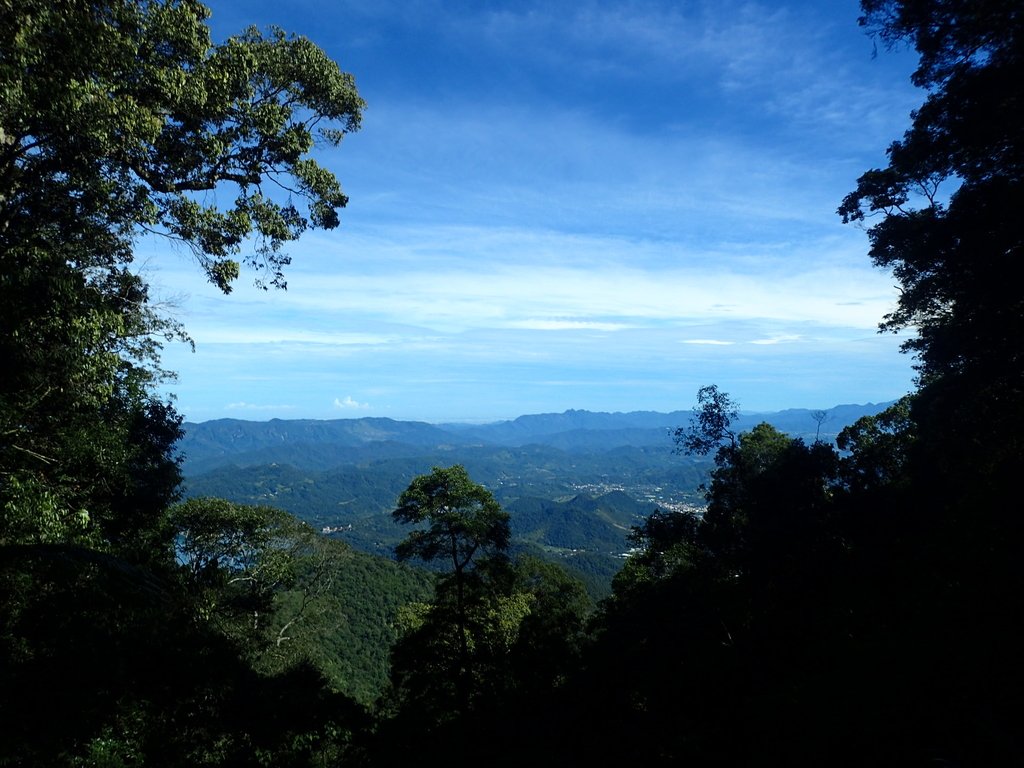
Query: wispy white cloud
[348,404]
[780,339]
[772,57]
[533,324]
[513,296]
[542,282]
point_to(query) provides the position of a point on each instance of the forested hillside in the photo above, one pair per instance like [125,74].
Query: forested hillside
[846,604]
[574,483]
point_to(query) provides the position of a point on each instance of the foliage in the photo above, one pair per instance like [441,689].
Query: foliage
[285,595]
[256,574]
[116,114]
[951,248]
[497,635]
[945,221]
[105,659]
[85,453]
[868,598]
[444,660]
[723,628]
[709,426]
[523,628]
[116,119]
[463,519]
[665,542]
[582,522]
[349,631]
[879,448]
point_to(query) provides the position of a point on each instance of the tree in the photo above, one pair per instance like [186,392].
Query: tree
[157,670]
[238,563]
[820,417]
[117,118]
[945,213]
[666,542]
[464,523]
[464,519]
[878,448]
[714,639]
[946,205]
[116,113]
[944,217]
[85,444]
[120,119]
[709,426]
[525,622]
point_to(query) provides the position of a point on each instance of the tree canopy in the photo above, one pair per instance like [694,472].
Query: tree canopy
[120,117]
[463,519]
[117,119]
[498,634]
[944,208]
[465,524]
[943,216]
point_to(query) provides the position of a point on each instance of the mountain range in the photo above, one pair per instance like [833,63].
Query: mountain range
[573,483]
[322,444]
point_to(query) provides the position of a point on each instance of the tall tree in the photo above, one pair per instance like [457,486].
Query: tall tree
[944,216]
[464,524]
[120,119]
[944,213]
[869,600]
[115,117]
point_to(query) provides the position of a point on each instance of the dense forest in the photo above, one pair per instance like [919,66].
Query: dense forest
[855,603]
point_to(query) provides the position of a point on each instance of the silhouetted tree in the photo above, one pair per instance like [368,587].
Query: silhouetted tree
[710,424]
[944,217]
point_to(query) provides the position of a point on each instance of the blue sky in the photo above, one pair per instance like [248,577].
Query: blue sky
[598,205]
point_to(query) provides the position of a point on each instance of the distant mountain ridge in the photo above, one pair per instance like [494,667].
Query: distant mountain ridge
[321,444]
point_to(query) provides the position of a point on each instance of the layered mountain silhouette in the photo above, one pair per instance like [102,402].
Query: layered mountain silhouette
[322,444]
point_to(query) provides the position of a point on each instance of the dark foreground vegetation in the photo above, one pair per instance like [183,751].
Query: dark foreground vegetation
[857,606]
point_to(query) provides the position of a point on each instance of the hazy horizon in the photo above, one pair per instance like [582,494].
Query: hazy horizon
[461,422]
